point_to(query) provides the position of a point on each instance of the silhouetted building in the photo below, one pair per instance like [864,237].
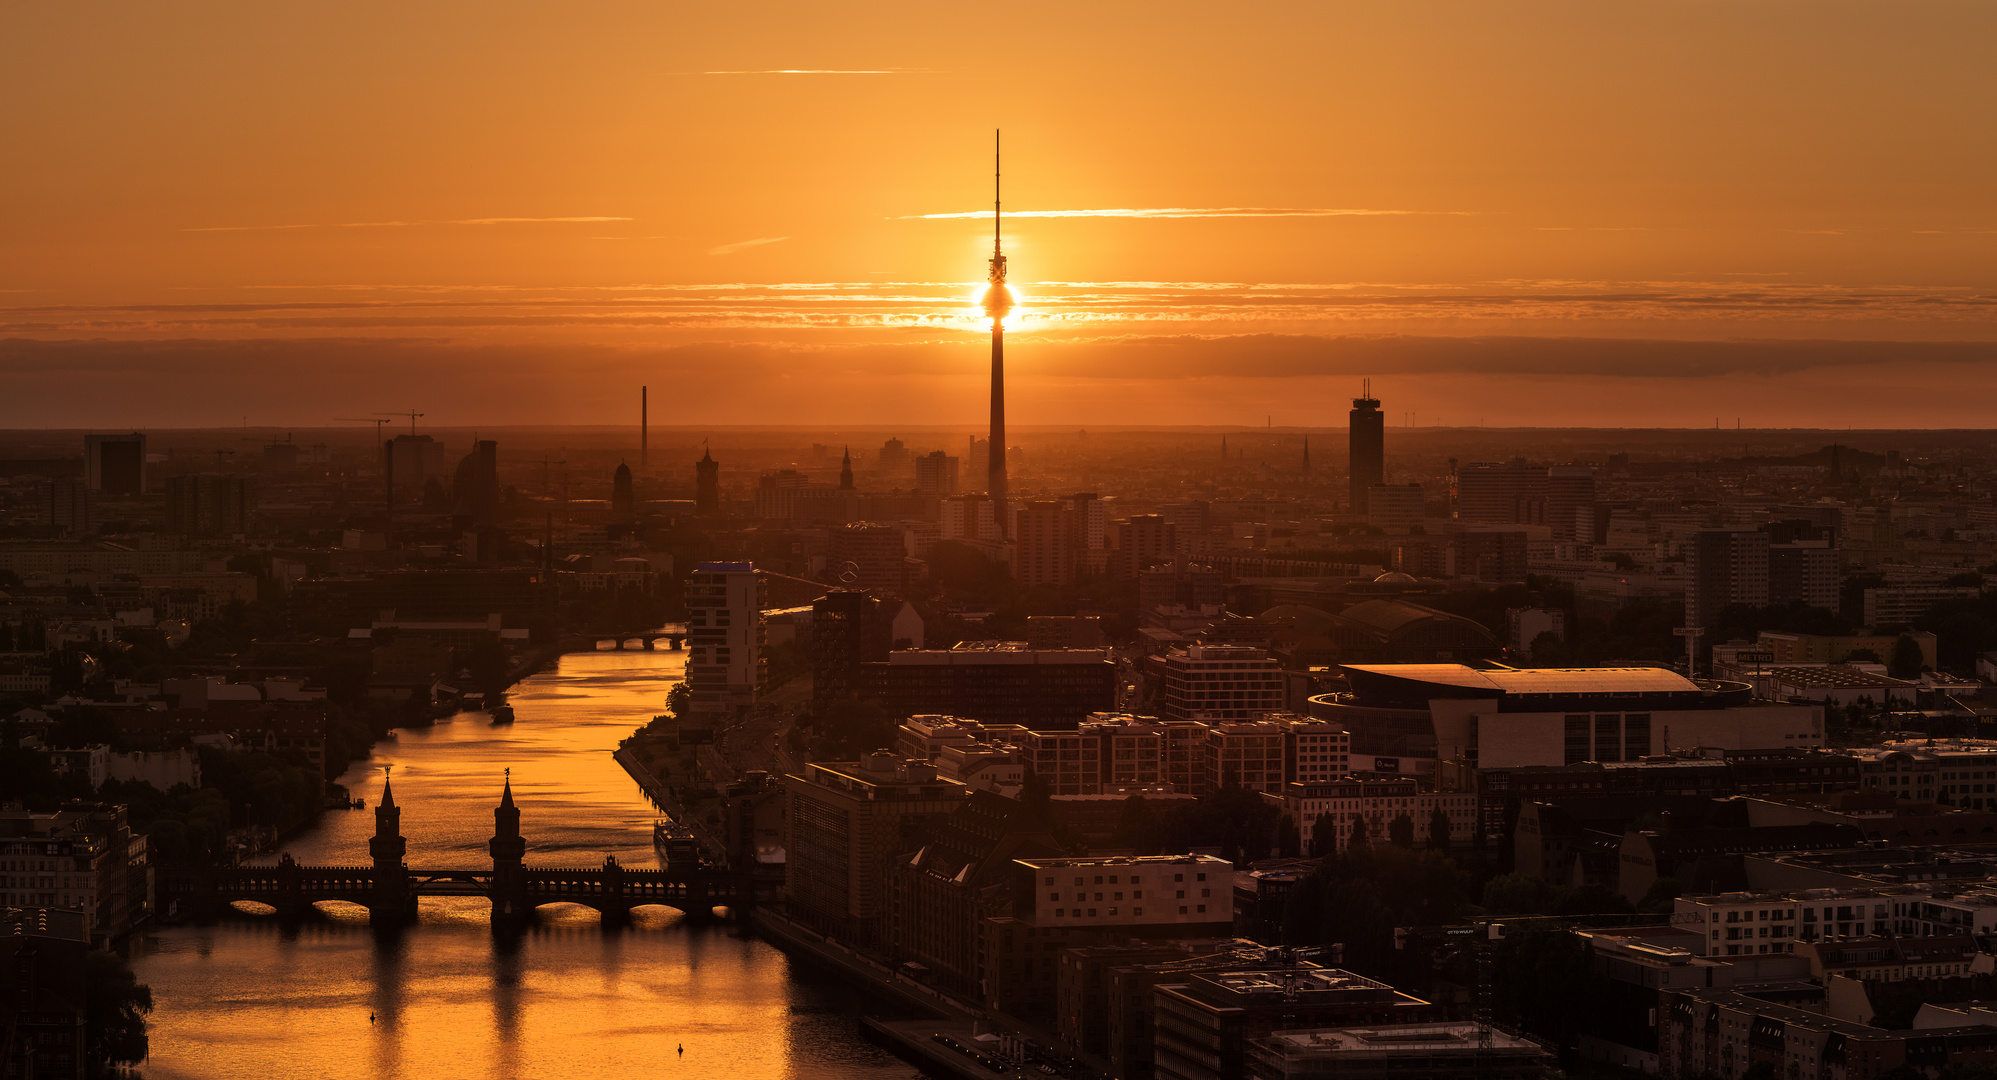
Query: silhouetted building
[68,505]
[1044,543]
[849,627]
[847,823]
[42,950]
[115,464]
[415,460]
[209,504]
[994,682]
[1570,502]
[1367,440]
[893,456]
[846,471]
[475,488]
[1508,493]
[623,499]
[936,474]
[1727,566]
[869,555]
[707,490]
[1395,508]
[1139,541]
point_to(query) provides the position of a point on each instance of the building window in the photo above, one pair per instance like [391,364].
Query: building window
[1203,907]
[1182,909]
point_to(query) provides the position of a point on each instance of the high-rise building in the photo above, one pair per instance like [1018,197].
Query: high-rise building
[846,471]
[1140,540]
[936,474]
[1726,566]
[623,497]
[849,627]
[475,487]
[416,460]
[707,490]
[968,517]
[1508,493]
[67,504]
[209,504]
[1395,508]
[115,464]
[1044,543]
[1570,502]
[1367,441]
[869,555]
[893,456]
[724,668]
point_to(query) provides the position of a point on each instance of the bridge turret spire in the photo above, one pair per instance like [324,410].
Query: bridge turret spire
[393,901]
[509,851]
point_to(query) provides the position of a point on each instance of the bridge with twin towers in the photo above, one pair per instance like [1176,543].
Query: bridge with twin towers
[389,888]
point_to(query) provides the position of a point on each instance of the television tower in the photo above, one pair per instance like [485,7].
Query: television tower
[998,301]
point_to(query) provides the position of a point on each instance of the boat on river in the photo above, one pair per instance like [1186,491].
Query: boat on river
[501,714]
[676,843]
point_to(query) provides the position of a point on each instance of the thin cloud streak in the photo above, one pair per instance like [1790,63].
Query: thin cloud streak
[814,71]
[1190,212]
[743,245]
[403,224]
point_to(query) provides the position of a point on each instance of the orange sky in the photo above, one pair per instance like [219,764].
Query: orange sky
[512,213]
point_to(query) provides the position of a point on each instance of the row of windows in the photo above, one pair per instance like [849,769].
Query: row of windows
[1135,879]
[1063,913]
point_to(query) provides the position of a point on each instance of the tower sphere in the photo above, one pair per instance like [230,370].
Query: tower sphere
[997,302]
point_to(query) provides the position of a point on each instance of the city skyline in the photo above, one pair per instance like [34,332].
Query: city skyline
[1679,204]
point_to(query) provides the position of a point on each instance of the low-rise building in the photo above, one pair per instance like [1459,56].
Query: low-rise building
[1207,1022]
[1453,1050]
[83,858]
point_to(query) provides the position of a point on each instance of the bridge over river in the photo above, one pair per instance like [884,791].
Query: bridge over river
[389,888]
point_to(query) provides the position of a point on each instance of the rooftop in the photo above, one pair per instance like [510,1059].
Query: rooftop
[1398,1039]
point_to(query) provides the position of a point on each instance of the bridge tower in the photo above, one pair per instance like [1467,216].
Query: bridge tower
[393,900]
[509,881]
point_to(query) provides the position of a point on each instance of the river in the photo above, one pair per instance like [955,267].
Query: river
[247,998]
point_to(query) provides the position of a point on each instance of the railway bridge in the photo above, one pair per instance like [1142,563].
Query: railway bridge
[389,888]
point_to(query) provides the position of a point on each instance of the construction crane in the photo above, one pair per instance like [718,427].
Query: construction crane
[364,420]
[412,414]
[387,462]
[545,462]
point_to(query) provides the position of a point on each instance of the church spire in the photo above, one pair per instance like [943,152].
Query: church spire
[846,471]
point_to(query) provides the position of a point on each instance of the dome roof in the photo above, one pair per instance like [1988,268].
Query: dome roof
[1394,577]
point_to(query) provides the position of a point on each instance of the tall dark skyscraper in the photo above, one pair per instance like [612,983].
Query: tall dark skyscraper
[846,471]
[623,495]
[998,301]
[707,488]
[1368,454]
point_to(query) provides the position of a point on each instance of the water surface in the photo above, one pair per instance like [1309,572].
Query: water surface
[331,999]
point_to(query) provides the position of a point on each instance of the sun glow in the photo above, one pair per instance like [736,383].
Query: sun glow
[1014,318]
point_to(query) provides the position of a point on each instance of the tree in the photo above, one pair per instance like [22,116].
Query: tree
[1324,835]
[1907,660]
[1289,841]
[1438,829]
[1517,894]
[115,1004]
[1660,899]
[1401,831]
[1137,826]
[679,699]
